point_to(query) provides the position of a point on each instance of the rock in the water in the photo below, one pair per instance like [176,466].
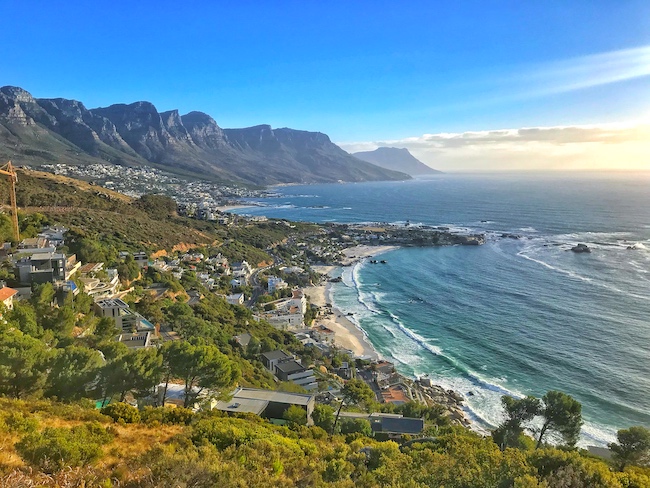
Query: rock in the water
[580,248]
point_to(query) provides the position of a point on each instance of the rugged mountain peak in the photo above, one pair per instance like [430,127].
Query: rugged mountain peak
[204,130]
[17,93]
[34,131]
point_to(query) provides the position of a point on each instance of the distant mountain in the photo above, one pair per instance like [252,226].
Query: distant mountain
[41,131]
[396,159]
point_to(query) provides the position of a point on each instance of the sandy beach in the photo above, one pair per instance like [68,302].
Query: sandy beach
[346,334]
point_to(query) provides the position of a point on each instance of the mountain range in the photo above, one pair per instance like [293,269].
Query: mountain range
[396,159]
[36,131]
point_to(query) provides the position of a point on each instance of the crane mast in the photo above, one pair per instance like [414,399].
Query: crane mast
[9,171]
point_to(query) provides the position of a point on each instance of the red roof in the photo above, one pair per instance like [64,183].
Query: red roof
[6,293]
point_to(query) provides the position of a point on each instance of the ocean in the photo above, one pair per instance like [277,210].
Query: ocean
[514,316]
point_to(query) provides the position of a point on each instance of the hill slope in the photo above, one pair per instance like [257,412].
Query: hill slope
[41,131]
[396,159]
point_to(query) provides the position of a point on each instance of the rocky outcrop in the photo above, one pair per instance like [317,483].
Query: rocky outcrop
[581,248]
[66,131]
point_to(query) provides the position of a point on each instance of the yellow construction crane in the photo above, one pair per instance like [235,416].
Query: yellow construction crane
[10,172]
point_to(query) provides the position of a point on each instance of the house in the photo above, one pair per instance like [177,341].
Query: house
[275,283]
[243,339]
[242,271]
[118,310]
[7,297]
[136,340]
[235,299]
[46,267]
[54,235]
[141,258]
[389,425]
[291,370]
[33,243]
[97,288]
[323,334]
[267,403]
[272,358]
[298,300]
[396,426]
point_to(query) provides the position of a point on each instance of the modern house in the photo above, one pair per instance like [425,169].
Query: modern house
[390,425]
[286,368]
[136,340]
[275,283]
[291,370]
[124,317]
[46,267]
[235,299]
[267,403]
[272,358]
[141,258]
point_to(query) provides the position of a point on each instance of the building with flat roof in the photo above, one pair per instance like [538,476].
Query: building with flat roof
[118,310]
[267,403]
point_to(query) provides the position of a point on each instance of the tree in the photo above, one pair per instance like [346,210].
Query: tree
[633,447]
[509,433]
[199,366]
[356,426]
[139,371]
[562,414]
[355,392]
[23,364]
[323,417]
[72,371]
[105,329]
[295,416]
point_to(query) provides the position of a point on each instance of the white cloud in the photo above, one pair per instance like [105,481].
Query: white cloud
[605,147]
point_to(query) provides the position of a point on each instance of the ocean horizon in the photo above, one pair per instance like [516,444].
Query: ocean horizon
[519,315]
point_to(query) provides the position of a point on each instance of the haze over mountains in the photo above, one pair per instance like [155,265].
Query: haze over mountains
[37,131]
[396,159]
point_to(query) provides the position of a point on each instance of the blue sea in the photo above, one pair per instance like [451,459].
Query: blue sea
[514,316]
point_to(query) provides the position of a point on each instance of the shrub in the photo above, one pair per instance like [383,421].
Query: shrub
[19,423]
[166,415]
[122,411]
[55,448]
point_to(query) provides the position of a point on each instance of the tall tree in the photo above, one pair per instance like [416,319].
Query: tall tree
[517,412]
[633,447]
[356,392]
[23,364]
[73,370]
[562,414]
[199,366]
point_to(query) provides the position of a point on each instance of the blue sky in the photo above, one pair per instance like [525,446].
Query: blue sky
[358,71]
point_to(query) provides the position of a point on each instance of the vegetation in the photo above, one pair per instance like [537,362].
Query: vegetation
[58,361]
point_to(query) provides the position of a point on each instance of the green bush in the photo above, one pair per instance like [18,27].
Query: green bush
[122,411]
[166,415]
[56,448]
[19,423]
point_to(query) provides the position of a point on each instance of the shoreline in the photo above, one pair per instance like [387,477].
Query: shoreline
[351,337]
[347,335]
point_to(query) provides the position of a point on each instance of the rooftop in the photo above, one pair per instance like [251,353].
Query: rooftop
[111,303]
[6,293]
[290,366]
[272,396]
[279,354]
[402,425]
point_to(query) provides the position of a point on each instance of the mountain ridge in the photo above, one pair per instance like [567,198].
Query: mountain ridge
[396,159]
[36,131]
